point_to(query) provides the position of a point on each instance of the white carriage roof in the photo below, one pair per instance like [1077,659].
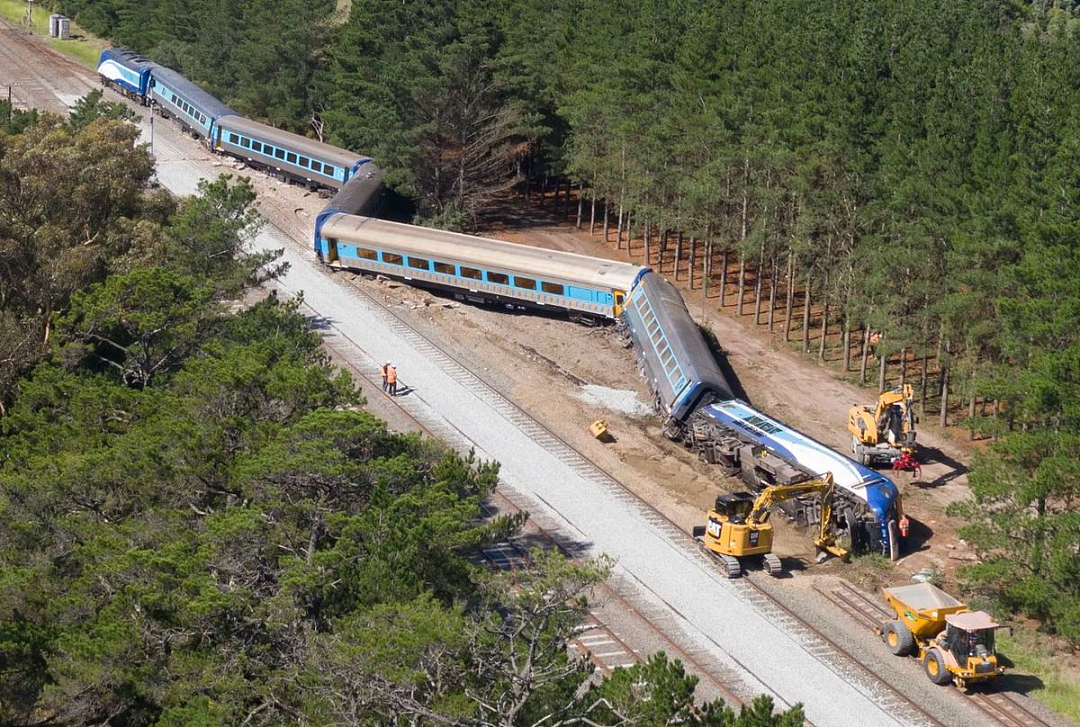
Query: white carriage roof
[794,446]
[293,142]
[536,262]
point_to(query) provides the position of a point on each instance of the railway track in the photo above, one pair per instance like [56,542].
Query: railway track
[36,84]
[816,643]
[1004,708]
[1001,707]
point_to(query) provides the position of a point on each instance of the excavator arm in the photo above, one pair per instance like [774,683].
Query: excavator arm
[823,487]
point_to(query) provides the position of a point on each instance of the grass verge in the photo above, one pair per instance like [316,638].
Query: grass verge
[84,48]
[1031,653]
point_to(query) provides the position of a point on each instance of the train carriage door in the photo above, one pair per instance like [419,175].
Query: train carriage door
[619,296]
[332,251]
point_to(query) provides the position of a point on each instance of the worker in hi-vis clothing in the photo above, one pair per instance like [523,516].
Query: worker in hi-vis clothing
[382,370]
[391,379]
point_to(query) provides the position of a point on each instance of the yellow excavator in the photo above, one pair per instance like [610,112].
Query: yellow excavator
[884,433]
[739,527]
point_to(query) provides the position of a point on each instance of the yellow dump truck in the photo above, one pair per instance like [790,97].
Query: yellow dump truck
[954,643]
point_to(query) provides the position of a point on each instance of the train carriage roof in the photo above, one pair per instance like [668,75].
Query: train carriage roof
[484,252]
[206,103]
[127,58]
[294,142]
[794,446]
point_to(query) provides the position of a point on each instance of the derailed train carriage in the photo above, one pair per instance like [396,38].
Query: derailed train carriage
[691,393]
[478,269]
[700,411]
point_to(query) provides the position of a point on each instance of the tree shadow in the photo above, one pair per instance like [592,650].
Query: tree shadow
[932,455]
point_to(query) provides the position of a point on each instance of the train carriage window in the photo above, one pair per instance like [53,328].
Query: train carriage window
[471,273]
[234,139]
[418,263]
[291,158]
[279,153]
[527,283]
[245,142]
[553,288]
[393,259]
[256,146]
[365,254]
[445,268]
[304,162]
[316,166]
[498,278]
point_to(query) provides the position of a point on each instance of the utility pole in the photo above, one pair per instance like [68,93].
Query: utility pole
[151,127]
[29,13]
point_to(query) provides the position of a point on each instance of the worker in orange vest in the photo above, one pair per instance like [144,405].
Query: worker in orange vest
[391,379]
[382,371]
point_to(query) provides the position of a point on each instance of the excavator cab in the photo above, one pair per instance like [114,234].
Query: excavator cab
[735,507]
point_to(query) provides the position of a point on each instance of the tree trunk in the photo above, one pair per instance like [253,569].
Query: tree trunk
[790,296]
[847,344]
[865,352]
[806,318]
[706,274]
[824,327]
[922,378]
[543,190]
[903,366]
[566,200]
[882,363]
[580,204]
[592,215]
[757,293]
[693,259]
[723,276]
[971,407]
[943,418]
[742,285]
[528,181]
[678,254]
[618,229]
[772,296]
[607,207]
[648,245]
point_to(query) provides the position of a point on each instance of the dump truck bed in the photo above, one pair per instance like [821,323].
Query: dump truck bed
[922,597]
[923,607]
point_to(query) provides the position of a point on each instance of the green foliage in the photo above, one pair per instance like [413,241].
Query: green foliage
[92,107]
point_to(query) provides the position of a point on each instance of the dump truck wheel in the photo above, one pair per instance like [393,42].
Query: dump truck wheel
[899,639]
[934,664]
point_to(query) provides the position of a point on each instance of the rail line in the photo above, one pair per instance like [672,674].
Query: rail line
[816,643]
[1002,707]
[593,640]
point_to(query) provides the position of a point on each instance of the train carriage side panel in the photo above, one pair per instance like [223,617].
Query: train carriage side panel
[317,163]
[190,105]
[682,370]
[477,269]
